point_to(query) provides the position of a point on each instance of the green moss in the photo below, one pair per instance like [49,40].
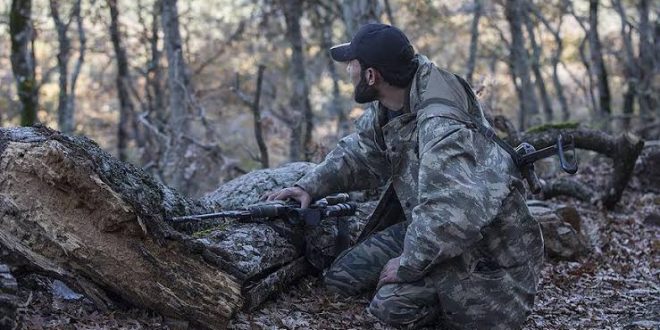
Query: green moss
[546,127]
[206,232]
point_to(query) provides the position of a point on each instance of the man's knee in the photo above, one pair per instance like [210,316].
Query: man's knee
[339,282]
[401,306]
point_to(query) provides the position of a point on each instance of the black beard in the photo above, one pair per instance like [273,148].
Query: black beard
[363,93]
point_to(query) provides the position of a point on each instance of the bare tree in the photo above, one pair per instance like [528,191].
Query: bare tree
[23,62]
[474,40]
[301,135]
[514,11]
[67,97]
[598,64]
[126,107]
[254,104]
[536,68]
[630,66]
[323,22]
[388,11]
[356,13]
[555,58]
[178,83]
[648,61]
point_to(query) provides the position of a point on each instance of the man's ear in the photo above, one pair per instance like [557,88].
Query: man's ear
[371,75]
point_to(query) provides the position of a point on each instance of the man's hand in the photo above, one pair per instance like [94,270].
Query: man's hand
[296,193]
[389,273]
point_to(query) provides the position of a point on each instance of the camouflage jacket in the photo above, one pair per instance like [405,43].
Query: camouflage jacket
[462,195]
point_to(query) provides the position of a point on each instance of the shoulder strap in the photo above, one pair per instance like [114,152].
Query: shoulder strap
[488,132]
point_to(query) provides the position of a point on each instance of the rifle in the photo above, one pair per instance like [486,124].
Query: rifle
[331,206]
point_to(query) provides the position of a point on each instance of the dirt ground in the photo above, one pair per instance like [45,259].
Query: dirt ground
[617,286]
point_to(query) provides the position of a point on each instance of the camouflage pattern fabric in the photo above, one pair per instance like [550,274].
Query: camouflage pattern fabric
[469,231]
[357,270]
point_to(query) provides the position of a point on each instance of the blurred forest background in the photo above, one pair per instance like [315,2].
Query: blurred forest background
[199,91]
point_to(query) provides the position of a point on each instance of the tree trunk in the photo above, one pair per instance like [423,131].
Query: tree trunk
[256,113]
[66,101]
[631,71]
[388,11]
[647,90]
[598,64]
[123,79]
[177,81]
[23,63]
[64,117]
[515,11]
[536,69]
[556,56]
[474,41]
[82,44]
[336,104]
[356,13]
[301,135]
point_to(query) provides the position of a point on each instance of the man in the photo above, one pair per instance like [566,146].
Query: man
[468,253]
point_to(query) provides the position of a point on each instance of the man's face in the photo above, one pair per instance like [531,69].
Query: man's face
[363,92]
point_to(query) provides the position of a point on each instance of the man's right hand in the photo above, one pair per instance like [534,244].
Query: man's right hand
[296,193]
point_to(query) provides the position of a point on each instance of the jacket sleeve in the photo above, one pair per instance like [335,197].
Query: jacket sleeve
[462,183]
[358,162]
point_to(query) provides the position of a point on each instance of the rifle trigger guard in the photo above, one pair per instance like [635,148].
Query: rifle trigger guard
[570,168]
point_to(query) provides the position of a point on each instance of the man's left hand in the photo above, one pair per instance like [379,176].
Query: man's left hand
[389,273]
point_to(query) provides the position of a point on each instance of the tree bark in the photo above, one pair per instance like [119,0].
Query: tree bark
[123,79]
[556,55]
[515,11]
[356,13]
[474,40]
[301,135]
[623,150]
[256,113]
[598,64]
[631,70]
[71,211]
[324,23]
[23,63]
[648,91]
[178,84]
[81,216]
[536,69]
[66,101]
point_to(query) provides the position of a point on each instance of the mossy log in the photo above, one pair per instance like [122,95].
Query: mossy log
[71,211]
[623,149]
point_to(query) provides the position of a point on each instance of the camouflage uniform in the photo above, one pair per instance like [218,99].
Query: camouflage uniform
[470,251]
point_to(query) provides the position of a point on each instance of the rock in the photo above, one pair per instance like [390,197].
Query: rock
[8,300]
[647,167]
[62,291]
[652,219]
[561,227]
[7,281]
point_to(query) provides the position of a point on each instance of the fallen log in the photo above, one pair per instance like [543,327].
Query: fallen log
[623,150]
[70,210]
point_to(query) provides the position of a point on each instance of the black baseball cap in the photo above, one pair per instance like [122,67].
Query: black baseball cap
[378,45]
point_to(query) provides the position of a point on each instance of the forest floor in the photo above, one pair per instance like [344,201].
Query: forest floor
[616,286]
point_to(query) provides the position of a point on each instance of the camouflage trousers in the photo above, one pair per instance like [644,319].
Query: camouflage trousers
[357,270]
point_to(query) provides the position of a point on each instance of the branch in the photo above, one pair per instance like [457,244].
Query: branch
[623,150]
